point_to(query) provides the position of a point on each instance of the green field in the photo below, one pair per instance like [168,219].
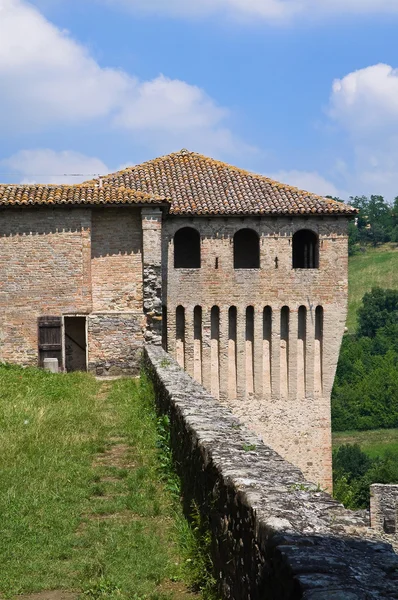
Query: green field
[376,267]
[82,501]
[374,443]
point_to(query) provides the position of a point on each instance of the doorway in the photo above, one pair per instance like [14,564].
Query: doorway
[75,344]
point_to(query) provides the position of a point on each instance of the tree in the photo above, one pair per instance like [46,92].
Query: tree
[379,309]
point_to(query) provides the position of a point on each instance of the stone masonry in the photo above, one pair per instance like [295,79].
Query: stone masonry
[384,508]
[275,536]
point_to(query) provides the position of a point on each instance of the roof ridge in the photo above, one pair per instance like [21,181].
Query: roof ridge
[184,152]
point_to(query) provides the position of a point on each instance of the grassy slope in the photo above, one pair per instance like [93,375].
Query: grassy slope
[374,443]
[375,267]
[68,520]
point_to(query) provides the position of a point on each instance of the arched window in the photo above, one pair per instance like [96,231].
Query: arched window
[246,249]
[305,250]
[187,249]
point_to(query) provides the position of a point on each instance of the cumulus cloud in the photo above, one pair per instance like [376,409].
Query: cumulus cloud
[310,181]
[47,78]
[364,104]
[366,100]
[269,10]
[48,166]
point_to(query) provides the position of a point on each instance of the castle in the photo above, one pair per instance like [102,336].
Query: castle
[241,278]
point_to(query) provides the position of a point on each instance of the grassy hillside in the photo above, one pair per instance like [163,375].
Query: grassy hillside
[375,267]
[374,443]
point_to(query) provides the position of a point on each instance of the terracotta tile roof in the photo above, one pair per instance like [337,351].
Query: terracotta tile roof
[203,186]
[48,195]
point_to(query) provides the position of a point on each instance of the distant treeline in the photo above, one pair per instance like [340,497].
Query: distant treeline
[376,223]
[365,392]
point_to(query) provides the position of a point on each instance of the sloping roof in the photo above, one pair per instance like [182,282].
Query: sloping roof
[48,195]
[198,185]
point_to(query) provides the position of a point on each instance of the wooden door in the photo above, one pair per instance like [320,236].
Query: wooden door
[50,339]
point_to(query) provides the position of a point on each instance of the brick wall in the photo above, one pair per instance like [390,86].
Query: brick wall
[292,411]
[57,261]
[45,270]
[116,259]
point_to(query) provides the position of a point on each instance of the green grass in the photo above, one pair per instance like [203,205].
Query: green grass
[374,443]
[70,518]
[376,267]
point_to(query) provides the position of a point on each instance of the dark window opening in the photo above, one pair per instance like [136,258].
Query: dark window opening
[187,249]
[246,249]
[75,344]
[305,250]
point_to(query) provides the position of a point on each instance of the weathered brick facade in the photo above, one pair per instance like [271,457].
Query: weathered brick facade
[74,261]
[97,262]
[280,387]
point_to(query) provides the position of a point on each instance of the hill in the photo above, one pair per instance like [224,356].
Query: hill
[376,267]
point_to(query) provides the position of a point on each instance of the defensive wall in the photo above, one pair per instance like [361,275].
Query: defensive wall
[275,535]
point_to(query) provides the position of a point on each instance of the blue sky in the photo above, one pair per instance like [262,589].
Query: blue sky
[304,91]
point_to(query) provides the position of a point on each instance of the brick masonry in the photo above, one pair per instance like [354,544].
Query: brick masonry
[73,261]
[115,265]
[294,421]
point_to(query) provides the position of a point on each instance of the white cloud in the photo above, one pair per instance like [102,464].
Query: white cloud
[47,78]
[364,104]
[366,100]
[310,181]
[48,166]
[269,10]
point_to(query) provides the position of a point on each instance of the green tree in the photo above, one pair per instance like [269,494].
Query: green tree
[379,309]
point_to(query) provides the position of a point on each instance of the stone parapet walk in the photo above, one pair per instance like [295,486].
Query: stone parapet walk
[274,534]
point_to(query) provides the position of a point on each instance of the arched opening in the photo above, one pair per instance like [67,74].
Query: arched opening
[187,249]
[180,336]
[197,351]
[250,350]
[305,250]
[215,351]
[318,349]
[246,249]
[301,352]
[232,353]
[267,349]
[284,351]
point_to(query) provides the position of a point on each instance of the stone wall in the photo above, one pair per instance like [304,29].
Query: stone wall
[275,536]
[384,508]
[152,273]
[279,385]
[115,343]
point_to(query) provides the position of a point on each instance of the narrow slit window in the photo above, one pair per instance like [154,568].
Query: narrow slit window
[250,350]
[215,351]
[302,352]
[197,358]
[232,353]
[267,349]
[180,336]
[284,353]
[318,349]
